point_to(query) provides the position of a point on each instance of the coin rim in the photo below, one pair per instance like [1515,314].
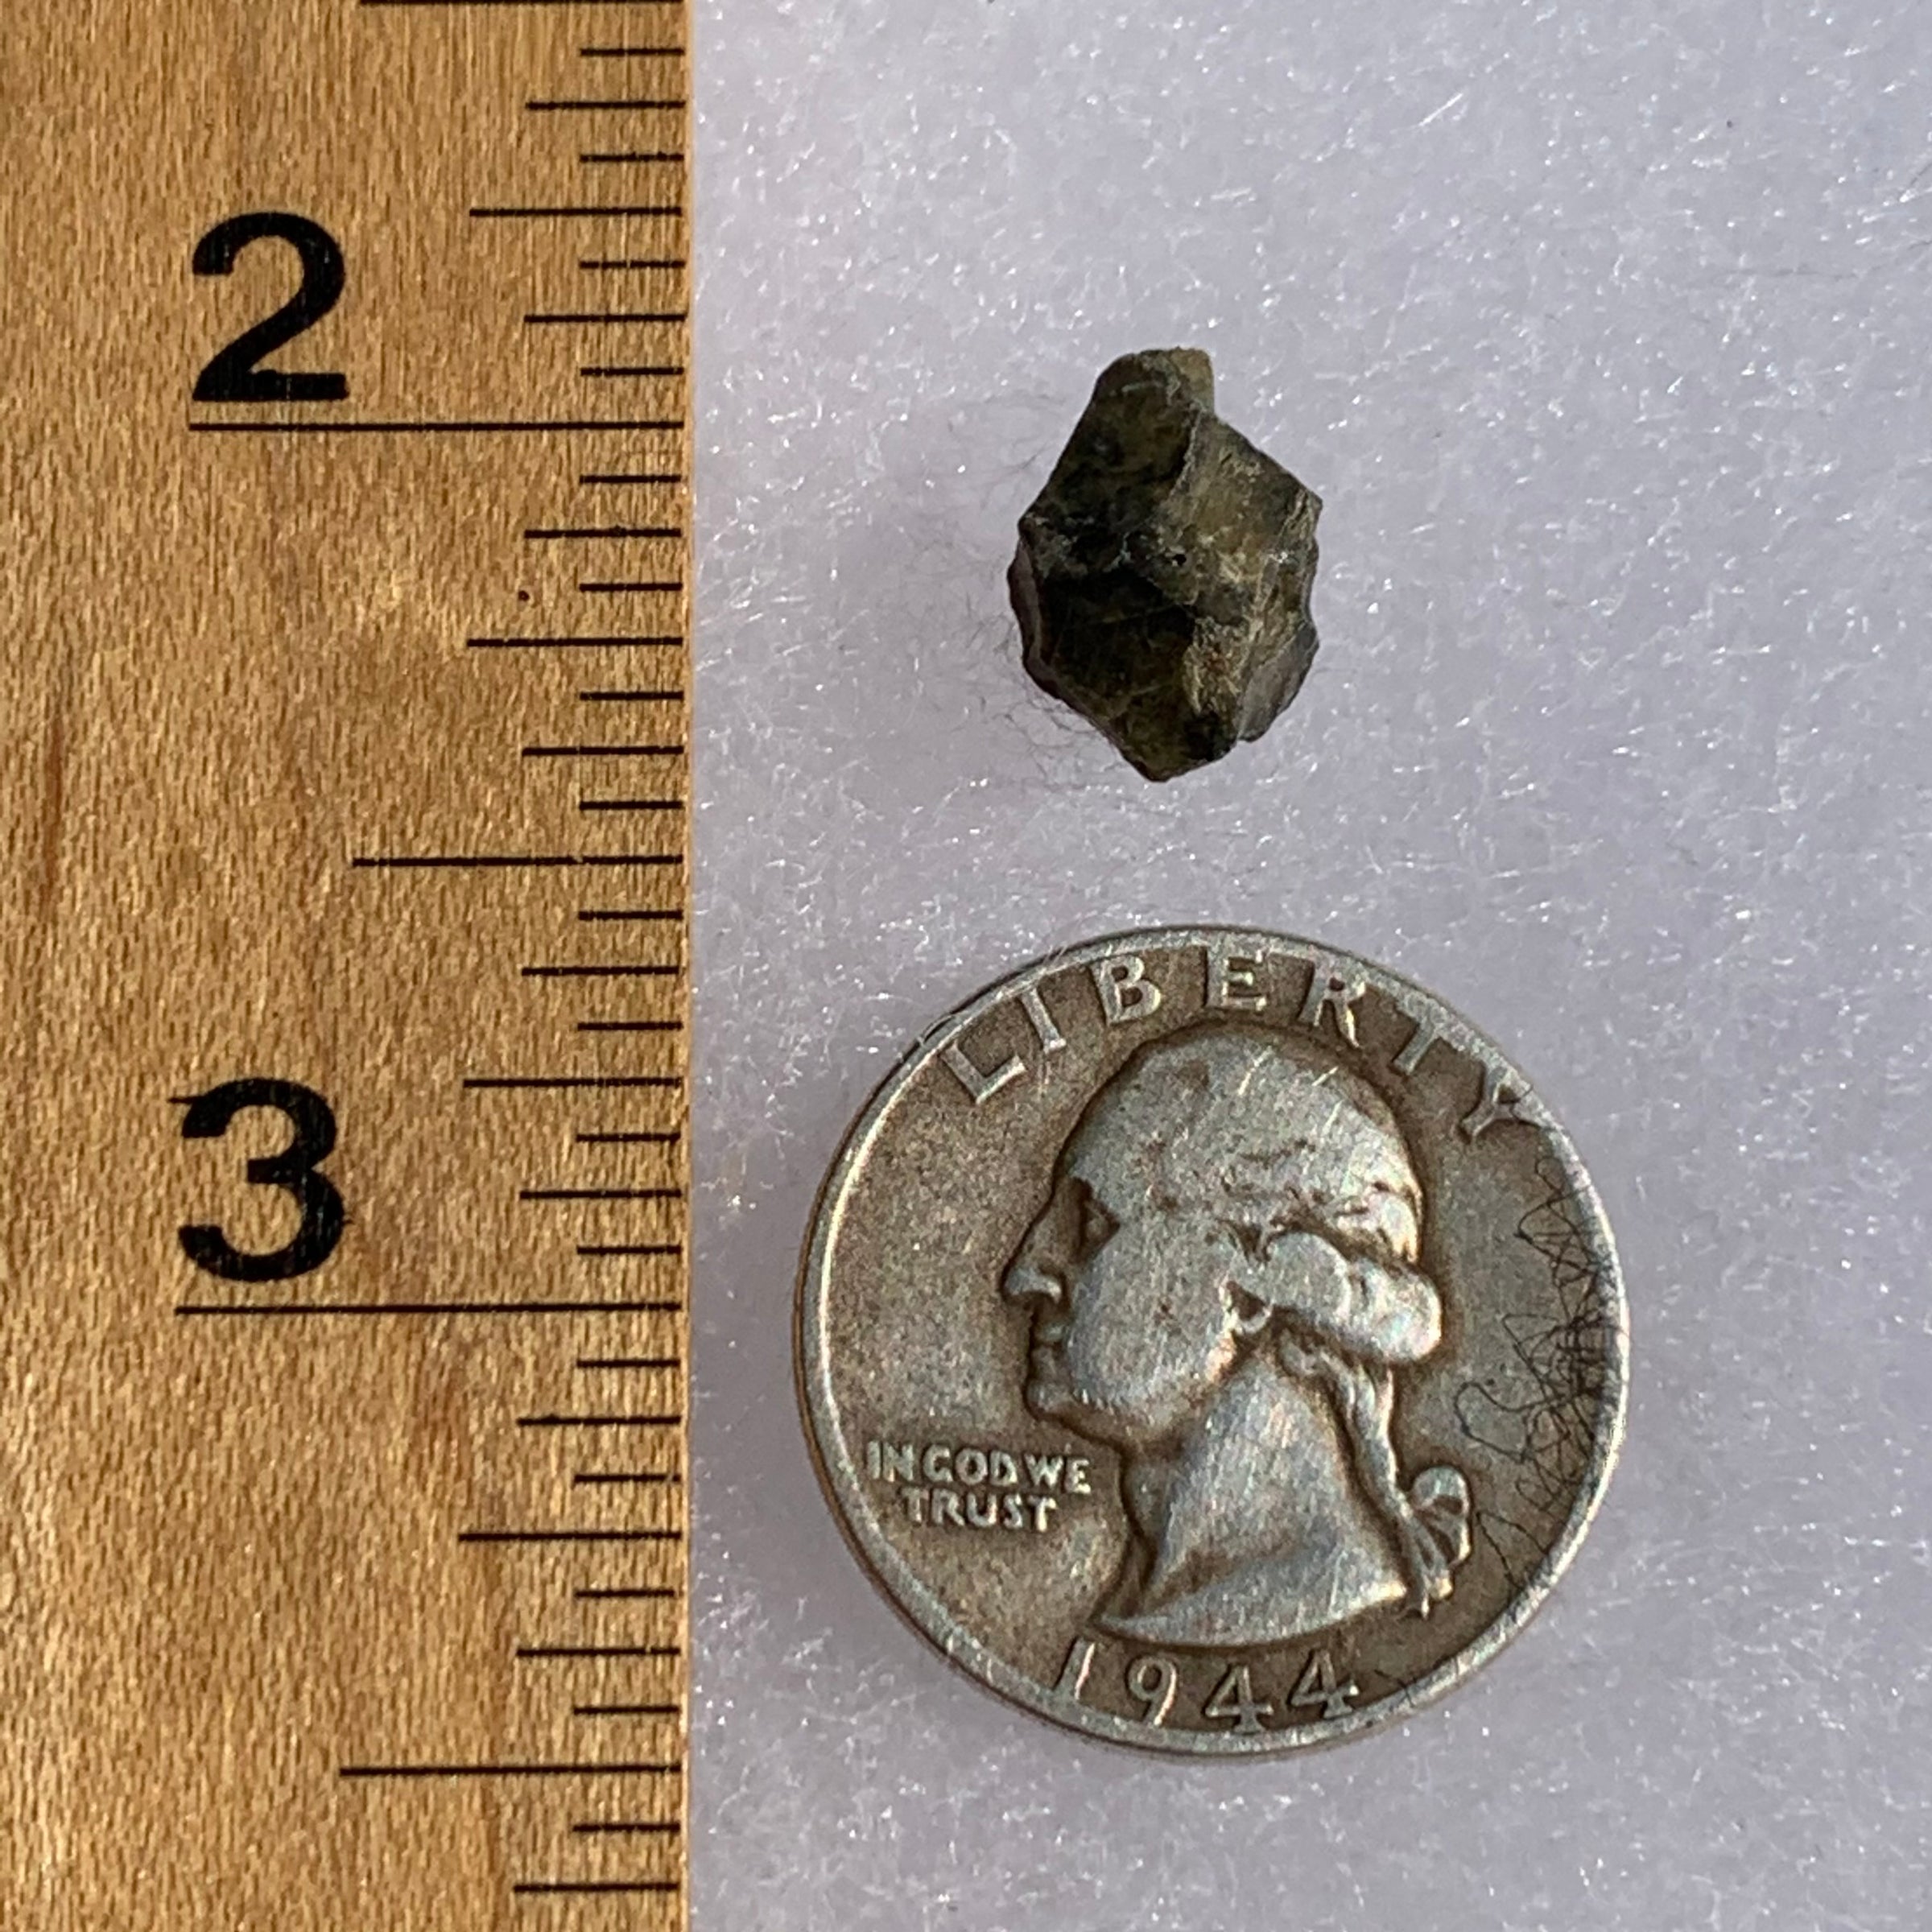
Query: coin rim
[921,1607]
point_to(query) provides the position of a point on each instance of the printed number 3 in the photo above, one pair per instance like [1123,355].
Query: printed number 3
[294,1170]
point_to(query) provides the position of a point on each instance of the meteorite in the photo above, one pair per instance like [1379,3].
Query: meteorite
[1163,575]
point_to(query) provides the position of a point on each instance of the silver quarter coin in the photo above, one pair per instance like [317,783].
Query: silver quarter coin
[1210,1341]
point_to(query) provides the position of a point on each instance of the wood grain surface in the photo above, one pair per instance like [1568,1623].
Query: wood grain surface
[319,1607]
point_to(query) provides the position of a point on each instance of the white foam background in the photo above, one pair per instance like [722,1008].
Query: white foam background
[1602,330]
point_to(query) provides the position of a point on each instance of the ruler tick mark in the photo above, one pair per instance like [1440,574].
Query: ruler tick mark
[314,427]
[579,211]
[601,1194]
[493,862]
[512,1770]
[578,643]
[571,1536]
[622,318]
[424,1309]
[600,973]
[599,1421]
[534,1082]
[455,4]
[598,1650]
[605,104]
[606,751]
[603,533]
[555,1887]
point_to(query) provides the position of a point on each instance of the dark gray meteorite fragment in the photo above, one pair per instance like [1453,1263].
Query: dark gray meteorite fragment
[1162,577]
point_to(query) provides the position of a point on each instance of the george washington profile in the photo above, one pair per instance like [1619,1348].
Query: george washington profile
[1224,1282]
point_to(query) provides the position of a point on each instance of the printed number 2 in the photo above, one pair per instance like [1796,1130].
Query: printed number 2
[294,1170]
[232,376]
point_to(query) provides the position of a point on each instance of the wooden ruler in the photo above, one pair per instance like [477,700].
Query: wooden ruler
[344,425]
